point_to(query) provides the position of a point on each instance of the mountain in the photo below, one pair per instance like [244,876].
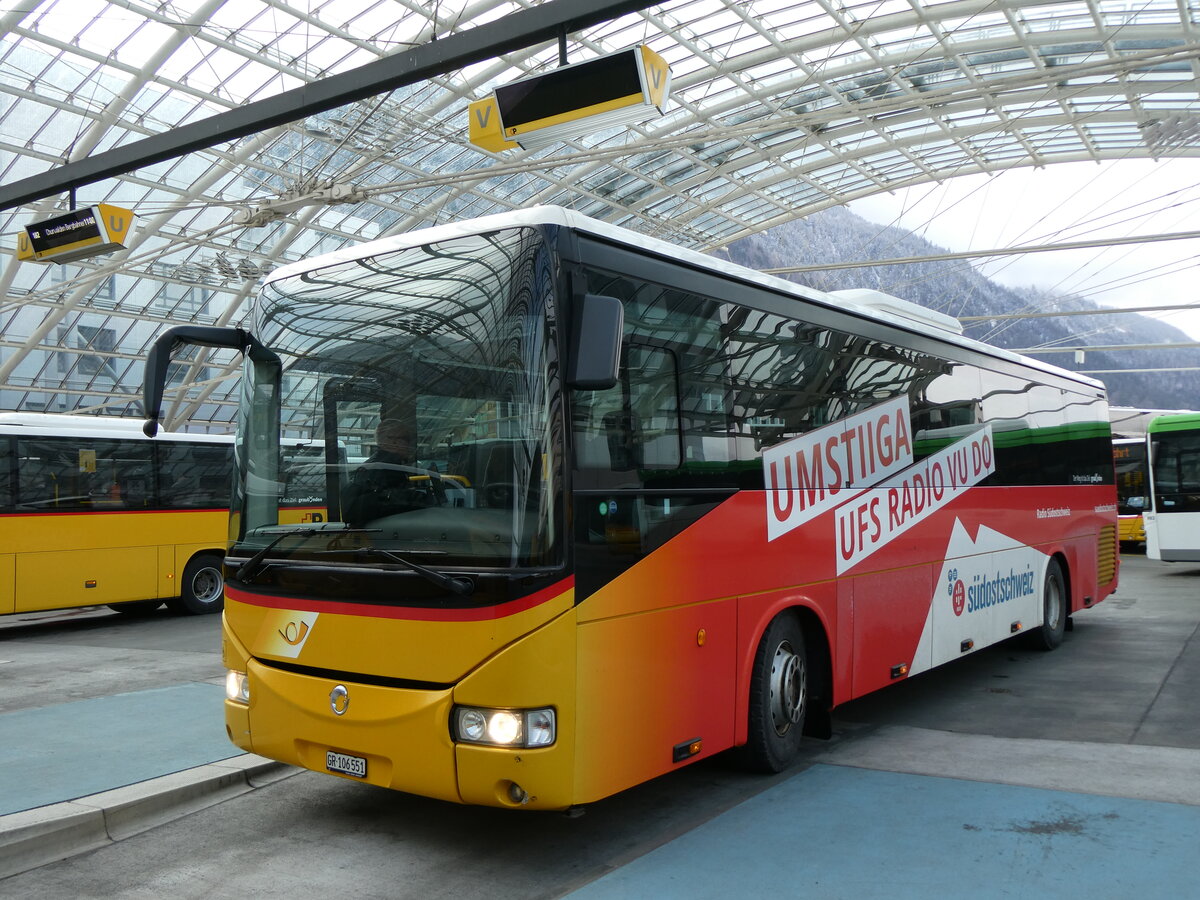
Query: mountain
[955,287]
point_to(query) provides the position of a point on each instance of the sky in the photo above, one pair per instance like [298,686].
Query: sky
[1069,202]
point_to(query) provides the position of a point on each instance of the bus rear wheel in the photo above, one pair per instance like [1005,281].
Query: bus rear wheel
[779,688]
[203,588]
[1049,634]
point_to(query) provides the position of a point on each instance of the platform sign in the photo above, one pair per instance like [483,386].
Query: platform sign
[78,234]
[570,101]
[486,129]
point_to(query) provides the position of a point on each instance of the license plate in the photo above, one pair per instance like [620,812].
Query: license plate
[344,764]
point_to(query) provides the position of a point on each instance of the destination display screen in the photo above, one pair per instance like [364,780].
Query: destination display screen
[71,228]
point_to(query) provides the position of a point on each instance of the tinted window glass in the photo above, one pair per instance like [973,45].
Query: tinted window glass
[792,377]
[1129,464]
[667,424]
[6,474]
[1046,435]
[1176,460]
[83,474]
[303,475]
[195,476]
[635,426]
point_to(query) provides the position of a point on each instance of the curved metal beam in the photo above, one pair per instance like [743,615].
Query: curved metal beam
[521,29]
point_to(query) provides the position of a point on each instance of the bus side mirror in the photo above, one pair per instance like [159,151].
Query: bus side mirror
[595,357]
[158,360]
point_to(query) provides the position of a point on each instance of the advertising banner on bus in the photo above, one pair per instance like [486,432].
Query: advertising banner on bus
[836,466]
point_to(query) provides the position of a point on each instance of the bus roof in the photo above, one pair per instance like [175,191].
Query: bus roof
[1132,421]
[891,310]
[1180,422]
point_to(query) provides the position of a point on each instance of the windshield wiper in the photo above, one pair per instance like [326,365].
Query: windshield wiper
[463,587]
[251,567]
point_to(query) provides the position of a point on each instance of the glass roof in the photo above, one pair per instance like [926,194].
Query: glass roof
[778,109]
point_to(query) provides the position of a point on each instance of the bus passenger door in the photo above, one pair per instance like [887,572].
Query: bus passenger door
[8,602]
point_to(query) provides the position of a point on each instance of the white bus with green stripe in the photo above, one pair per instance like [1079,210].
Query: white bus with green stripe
[1173,522]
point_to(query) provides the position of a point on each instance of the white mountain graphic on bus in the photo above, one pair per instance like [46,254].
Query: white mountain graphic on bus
[985,585]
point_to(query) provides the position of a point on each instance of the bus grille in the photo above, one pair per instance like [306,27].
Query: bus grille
[1106,553]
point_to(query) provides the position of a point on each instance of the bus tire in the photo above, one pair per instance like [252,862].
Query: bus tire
[203,588]
[779,693]
[1049,634]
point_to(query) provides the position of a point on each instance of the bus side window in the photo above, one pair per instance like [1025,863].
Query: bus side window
[634,425]
[45,482]
[194,476]
[593,448]
[1187,498]
[116,475]
[619,436]
[7,500]
[653,423]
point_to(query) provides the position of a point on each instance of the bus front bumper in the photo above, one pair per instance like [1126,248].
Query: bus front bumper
[390,737]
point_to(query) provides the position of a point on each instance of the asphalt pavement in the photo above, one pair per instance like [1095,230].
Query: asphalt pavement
[1110,795]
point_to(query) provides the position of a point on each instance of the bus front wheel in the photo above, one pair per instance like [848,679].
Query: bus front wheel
[779,687]
[203,588]
[1049,634]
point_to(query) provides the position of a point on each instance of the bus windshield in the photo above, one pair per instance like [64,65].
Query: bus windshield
[1176,456]
[1129,461]
[426,380]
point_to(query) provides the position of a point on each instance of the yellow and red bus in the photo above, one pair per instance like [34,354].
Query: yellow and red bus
[1133,489]
[659,507]
[93,513]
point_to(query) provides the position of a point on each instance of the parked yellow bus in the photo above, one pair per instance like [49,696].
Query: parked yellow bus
[92,513]
[1133,489]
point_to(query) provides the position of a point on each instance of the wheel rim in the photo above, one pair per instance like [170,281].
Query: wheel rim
[1054,603]
[787,688]
[207,585]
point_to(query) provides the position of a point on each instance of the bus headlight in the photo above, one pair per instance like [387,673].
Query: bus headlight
[237,686]
[504,727]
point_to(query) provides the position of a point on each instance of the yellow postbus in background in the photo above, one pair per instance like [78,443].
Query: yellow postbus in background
[93,513]
[1133,489]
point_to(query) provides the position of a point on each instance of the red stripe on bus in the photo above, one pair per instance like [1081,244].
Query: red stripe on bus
[475,614]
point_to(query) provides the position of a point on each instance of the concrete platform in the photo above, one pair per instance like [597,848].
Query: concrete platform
[79,775]
[46,834]
[69,750]
[1065,775]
